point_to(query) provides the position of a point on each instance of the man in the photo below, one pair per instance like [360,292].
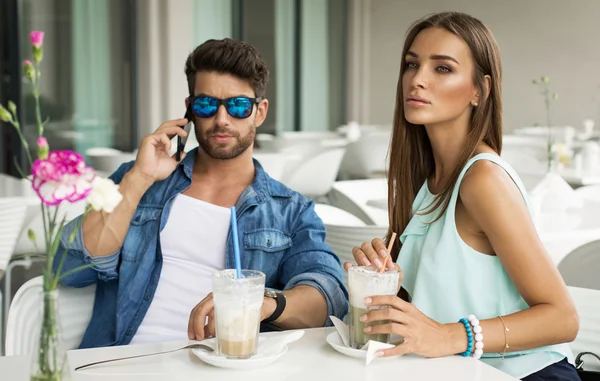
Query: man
[153,257]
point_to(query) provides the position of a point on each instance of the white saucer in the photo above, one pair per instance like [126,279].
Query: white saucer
[257,361]
[336,343]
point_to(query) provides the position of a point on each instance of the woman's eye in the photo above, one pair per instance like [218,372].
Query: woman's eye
[444,69]
[411,65]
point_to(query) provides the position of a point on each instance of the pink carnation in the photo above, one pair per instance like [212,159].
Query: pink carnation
[62,176]
[37,38]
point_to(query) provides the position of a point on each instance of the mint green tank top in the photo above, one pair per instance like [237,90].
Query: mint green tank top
[448,280]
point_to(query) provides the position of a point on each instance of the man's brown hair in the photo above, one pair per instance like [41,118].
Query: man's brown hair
[228,56]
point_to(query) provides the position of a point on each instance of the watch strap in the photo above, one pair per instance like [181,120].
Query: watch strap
[280,300]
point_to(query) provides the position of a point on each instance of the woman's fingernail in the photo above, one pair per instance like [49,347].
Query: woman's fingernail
[377,263]
[363,318]
[383,252]
[367,329]
[367,300]
[379,354]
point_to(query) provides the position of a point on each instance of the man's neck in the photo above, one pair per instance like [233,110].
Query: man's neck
[239,170]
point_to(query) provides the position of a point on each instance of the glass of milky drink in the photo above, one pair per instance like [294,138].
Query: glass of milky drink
[238,303]
[363,282]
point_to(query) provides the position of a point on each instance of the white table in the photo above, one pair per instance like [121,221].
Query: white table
[310,358]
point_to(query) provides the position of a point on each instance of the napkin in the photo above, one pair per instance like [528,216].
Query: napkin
[371,346]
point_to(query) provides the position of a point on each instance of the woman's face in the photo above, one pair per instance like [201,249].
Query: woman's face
[437,85]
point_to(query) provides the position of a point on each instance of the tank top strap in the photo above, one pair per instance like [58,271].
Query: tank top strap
[496,160]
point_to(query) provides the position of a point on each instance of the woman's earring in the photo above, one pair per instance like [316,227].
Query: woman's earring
[475,104]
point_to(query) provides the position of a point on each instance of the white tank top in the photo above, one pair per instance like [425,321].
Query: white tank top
[193,247]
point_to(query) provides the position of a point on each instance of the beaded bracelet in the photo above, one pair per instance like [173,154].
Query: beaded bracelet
[478,352]
[467,325]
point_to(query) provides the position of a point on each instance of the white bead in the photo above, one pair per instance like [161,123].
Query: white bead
[477,354]
[479,345]
[471,317]
[477,329]
[474,322]
[479,337]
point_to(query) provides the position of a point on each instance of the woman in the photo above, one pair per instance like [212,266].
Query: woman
[468,247]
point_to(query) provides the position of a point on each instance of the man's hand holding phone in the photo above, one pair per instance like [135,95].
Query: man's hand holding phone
[154,161]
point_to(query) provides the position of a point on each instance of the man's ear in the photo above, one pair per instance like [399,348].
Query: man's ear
[261,112]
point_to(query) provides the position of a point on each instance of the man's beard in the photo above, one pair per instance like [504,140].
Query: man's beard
[216,151]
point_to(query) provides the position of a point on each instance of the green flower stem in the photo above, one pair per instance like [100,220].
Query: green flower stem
[36,95]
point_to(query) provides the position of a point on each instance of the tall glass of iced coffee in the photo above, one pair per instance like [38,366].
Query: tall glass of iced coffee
[363,282]
[238,303]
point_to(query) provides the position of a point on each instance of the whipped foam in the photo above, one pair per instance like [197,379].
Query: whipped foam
[367,281]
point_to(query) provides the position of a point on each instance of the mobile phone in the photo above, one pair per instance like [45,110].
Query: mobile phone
[181,141]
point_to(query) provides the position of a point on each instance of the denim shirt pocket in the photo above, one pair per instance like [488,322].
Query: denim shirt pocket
[267,240]
[143,229]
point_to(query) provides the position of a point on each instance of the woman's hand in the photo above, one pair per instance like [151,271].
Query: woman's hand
[422,335]
[373,254]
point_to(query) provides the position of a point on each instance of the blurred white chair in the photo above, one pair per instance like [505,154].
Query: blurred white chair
[587,303]
[581,267]
[315,175]
[108,160]
[342,238]
[336,216]
[366,199]
[366,157]
[75,307]
[277,164]
[12,215]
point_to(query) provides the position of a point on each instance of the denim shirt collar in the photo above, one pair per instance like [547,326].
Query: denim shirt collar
[262,188]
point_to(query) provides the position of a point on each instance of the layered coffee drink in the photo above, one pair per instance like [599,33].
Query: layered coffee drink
[366,282]
[238,303]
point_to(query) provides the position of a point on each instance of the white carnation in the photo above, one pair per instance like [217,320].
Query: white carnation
[105,195]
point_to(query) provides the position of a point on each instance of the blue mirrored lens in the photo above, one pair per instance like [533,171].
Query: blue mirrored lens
[205,107]
[239,107]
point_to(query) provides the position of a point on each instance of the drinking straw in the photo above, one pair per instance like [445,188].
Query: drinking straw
[389,250]
[236,245]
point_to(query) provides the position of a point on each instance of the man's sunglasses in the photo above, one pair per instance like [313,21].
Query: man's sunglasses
[238,107]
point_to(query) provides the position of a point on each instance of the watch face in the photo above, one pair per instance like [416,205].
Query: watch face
[270,294]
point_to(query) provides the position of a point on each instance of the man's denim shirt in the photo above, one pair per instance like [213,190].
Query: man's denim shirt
[279,234]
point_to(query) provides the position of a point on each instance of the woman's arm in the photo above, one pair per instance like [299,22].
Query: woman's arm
[494,202]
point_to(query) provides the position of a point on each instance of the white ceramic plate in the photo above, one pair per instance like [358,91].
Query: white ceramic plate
[336,343]
[261,359]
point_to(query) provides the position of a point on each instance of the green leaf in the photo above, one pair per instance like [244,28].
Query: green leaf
[72,271]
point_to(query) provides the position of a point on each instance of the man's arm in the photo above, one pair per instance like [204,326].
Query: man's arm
[76,254]
[99,237]
[312,275]
[104,233]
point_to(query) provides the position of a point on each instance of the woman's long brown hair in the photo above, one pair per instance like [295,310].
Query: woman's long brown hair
[411,157]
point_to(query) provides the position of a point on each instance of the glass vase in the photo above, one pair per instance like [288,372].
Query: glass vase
[49,354]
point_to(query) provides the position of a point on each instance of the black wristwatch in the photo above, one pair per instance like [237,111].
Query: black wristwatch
[279,299]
